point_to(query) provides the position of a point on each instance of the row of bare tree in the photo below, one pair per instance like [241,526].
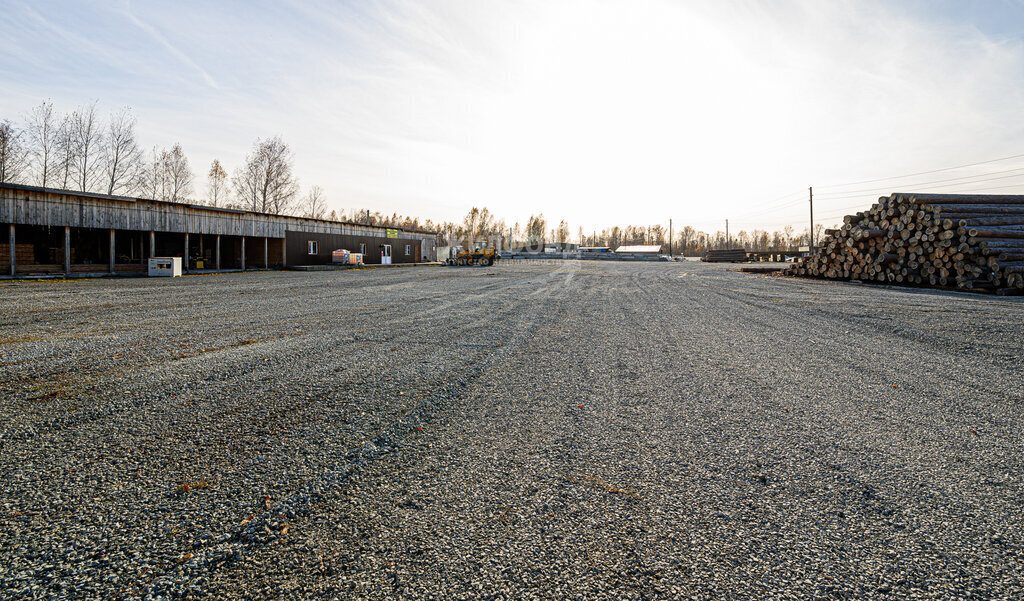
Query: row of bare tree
[76,151]
[83,152]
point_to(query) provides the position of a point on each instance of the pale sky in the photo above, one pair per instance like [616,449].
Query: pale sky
[597,112]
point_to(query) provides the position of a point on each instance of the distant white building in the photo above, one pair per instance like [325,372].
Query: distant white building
[640,249]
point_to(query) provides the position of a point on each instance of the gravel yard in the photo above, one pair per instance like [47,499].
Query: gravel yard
[537,430]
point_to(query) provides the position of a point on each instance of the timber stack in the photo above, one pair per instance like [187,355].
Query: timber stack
[967,241]
[734,255]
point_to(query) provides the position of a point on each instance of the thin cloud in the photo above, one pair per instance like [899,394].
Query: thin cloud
[159,37]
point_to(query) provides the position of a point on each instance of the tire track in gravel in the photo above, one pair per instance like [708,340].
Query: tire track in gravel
[262,530]
[928,355]
[156,372]
[885,494]
[240,359]
[562,464]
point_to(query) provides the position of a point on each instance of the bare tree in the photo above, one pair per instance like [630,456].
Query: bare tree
[42,133]
[535,229]
[478,224]
[179,175]
[169,177]
[13,156]
[266,183]
[562,235]
[314,205]
[217,190]
[67,152]
[87,136]
[155,177]
[122,157]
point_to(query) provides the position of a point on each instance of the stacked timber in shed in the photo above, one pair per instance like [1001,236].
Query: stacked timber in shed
[971,242]
[735,255]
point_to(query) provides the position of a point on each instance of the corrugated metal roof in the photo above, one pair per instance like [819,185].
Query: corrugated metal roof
[640,248]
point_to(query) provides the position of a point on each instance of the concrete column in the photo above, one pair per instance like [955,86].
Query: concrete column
[152,244]
[184,260]
[113,251]
[266,253]
[14,264]
[67,250]
[243,253]
[217,253]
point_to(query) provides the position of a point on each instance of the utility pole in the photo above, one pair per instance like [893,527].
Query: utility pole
[810,192]
[727,233]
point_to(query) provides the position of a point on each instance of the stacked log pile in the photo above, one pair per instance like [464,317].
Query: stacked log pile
[970,242]
[734,255]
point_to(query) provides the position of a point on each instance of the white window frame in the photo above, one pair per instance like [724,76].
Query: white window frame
[408,250]
[313,247]
[362,248]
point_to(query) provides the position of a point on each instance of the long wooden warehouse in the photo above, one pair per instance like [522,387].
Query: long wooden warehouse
[47,231]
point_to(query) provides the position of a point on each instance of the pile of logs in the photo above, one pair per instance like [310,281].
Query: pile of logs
[970,242]
[733,255]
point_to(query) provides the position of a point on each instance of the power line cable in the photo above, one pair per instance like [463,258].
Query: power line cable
[882,179]
[928,188]
[938,181]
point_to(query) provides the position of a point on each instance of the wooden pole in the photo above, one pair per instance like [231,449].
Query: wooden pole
[113,251]
[266,253]
[217,253]
[67,250]
[152,244]
[14,263]
[810,191]
[243,253]
[13,255]
[184,261]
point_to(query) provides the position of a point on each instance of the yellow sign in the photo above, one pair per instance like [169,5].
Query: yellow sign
[392,233]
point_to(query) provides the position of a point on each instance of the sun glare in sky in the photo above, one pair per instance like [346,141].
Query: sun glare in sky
[598,112]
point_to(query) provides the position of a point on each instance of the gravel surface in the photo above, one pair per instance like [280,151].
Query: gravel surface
[527,431]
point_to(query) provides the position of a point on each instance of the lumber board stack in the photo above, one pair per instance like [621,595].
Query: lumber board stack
[24,254]
[967,241]
[733,255]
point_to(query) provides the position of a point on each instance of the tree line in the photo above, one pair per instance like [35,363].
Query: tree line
[480,225]
[82,151]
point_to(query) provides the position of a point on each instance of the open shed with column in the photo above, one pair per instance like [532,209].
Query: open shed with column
[54,232]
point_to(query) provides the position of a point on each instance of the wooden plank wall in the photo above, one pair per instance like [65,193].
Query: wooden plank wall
[24,254]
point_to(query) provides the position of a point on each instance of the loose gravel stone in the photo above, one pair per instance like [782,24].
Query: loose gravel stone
[525,431]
